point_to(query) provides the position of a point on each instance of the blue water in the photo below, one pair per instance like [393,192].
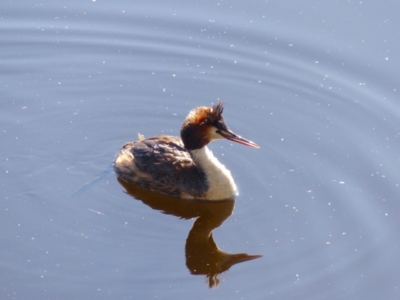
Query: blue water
[314,83]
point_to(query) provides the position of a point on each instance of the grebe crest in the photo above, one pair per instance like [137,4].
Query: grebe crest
[185,167]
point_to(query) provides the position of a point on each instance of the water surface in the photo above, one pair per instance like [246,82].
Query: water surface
[315,84]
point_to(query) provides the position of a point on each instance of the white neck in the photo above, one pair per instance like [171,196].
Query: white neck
[219,178]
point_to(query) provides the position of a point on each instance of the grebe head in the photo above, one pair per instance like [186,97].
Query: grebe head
[205,124]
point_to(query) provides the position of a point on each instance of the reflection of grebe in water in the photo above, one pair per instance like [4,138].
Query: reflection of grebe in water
[203,257]
[182,167]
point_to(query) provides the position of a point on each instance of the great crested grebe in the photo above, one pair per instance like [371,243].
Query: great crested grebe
[182,167]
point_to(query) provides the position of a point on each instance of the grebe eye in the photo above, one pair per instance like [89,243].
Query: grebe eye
[221,124]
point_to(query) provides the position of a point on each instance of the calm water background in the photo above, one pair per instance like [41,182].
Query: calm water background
[314,83]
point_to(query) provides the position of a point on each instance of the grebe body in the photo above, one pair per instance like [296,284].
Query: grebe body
[182,167]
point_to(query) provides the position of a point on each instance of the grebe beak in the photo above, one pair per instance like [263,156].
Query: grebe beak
[229,135]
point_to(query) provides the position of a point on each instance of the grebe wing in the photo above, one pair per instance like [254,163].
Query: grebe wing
[160,155]
[163,164]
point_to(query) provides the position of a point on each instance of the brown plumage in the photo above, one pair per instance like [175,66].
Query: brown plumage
[153,164]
